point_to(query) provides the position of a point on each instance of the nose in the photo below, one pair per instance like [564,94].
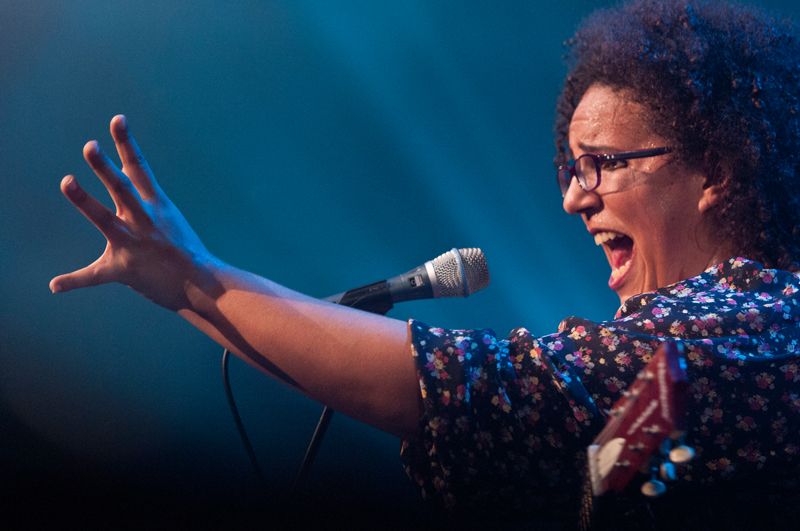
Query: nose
[577,200]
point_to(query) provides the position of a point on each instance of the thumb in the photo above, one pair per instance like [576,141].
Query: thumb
[91,275]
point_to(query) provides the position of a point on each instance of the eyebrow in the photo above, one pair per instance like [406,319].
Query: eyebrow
[597,149]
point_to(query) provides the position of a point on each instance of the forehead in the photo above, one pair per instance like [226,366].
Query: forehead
[606,119]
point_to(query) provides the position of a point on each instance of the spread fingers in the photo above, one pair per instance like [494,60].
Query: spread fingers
[100,216]
[119,186]
[134,165]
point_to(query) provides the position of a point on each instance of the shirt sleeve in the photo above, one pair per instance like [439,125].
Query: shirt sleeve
[501,428]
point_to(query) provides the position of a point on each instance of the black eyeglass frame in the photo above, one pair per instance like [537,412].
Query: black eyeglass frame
[599,159]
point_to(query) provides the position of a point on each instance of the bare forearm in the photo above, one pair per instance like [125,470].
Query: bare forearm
[357,363]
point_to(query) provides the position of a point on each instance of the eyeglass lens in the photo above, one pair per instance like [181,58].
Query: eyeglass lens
[585,171]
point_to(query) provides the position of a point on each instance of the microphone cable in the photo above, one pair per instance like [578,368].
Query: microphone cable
[239,425]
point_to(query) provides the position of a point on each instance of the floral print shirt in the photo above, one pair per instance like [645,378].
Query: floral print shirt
[507,421]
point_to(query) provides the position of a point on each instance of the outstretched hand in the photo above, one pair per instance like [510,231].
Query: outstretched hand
[151,248]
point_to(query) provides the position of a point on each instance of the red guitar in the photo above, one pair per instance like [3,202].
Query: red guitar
[648,420]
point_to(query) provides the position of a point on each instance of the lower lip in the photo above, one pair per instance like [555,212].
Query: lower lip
[616,283]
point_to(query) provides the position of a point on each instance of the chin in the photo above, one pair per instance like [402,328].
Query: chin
[628,285]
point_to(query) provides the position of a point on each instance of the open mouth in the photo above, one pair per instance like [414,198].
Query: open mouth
[620,249]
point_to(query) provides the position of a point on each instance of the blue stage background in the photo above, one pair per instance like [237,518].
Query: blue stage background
[323,145]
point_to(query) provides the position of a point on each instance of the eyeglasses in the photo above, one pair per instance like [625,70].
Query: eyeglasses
[587,167]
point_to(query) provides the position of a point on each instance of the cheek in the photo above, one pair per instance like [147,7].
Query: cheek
[650,217]
[637,206]
[669,224]
[667,203]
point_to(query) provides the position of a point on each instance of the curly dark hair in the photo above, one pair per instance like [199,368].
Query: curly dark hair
[721,83]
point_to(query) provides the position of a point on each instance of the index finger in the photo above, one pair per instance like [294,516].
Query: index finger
[134,165]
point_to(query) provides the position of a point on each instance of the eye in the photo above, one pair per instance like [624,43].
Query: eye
[610,165]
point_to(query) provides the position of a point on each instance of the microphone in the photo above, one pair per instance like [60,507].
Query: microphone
[456,273]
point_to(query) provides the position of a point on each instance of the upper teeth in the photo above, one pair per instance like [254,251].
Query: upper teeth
[602,237]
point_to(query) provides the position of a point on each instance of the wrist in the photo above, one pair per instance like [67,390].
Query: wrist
[204,285]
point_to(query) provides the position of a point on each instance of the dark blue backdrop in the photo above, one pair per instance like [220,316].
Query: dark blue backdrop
[321,144]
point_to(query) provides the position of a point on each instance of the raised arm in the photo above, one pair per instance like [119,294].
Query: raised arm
[357,363]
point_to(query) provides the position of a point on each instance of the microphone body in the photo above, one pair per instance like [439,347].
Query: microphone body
[456,273]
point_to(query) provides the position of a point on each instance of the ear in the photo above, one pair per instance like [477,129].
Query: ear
[711,195]
[714,184]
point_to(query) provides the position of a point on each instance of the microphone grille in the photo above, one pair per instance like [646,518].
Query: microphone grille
[461,272]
